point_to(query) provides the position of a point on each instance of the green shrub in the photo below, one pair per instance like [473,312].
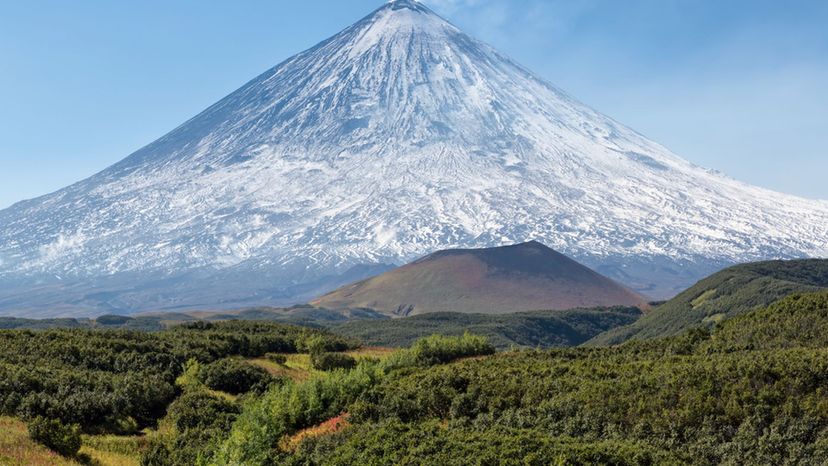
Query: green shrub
[233,376]
[317,342]
[280,359]
[438,349]
[194,446]
[392,442]
[116,381]
[201,410]
[331,361]
[58,437]
[291,407]
[286,409]
[202,422]
[156,455]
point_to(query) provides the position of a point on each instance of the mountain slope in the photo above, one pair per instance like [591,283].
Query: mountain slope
[794,322]
[523,277]
[726,294]
[398,136]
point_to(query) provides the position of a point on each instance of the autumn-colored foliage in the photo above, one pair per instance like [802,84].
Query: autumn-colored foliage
[331,426]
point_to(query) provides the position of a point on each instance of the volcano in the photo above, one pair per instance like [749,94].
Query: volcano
[523,277]
[399,136]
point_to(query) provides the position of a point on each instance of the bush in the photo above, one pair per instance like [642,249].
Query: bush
[293,406]
[58,437]
[156,455]
[438,349]
[119,381]
[288,408]
[331,361]
[200,410]
[201,421]
[392,442]
[315,343]
[233,376]
[280,359]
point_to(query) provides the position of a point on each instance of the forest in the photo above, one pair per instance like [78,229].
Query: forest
[751,390]
[544,329]
[723,295]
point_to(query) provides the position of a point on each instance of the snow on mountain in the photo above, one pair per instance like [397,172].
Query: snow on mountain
[397,137]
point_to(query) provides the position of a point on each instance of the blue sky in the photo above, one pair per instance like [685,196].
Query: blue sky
[738,85]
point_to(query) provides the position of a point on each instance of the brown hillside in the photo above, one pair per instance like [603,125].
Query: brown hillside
[523,277]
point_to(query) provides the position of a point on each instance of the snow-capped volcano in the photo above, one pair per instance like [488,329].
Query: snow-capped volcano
[397,137]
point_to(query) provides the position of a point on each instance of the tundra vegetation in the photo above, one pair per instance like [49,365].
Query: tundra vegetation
[751,390]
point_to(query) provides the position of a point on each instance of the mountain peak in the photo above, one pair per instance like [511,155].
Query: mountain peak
[406,16]
[406,7]
[409,4]
[398,136]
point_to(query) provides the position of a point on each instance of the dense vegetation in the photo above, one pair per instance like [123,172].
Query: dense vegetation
[797,321]
[752,392]
[121,381]
[233,376]
[147,323]
[198,420]
[331,361]
[285,410]
[731,292]
[18,449]
[544,329]
[57,436]
[304,315]
[538,329]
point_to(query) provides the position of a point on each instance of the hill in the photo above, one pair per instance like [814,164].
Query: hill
[797,321]
[303,315]
[539,329]
[523,277]
[726,294]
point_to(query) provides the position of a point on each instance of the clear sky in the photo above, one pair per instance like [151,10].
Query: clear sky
[737,85]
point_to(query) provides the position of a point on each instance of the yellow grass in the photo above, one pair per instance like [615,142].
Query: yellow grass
[372,352]
[107,458]
[703,298]
[114,450]
[296,368]
[16,449]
